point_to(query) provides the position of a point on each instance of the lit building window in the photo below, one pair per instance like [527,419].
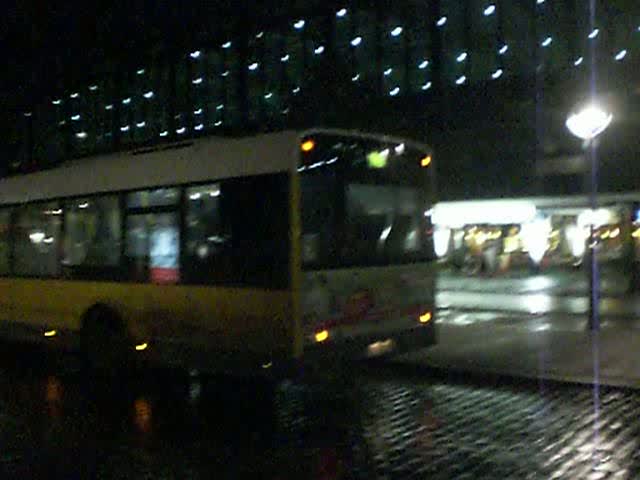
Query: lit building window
[490,10]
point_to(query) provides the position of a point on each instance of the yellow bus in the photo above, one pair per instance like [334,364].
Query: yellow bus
[227,254]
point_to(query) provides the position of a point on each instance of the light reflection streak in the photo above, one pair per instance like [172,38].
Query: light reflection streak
[142,414]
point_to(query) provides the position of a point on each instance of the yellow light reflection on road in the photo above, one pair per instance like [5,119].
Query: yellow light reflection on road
[322,335]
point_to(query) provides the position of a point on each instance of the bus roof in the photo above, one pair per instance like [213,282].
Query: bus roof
[171,164]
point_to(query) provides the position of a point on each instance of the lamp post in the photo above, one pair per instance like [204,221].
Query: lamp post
[587,124]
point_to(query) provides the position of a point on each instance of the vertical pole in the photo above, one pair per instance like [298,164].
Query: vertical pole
[594,287]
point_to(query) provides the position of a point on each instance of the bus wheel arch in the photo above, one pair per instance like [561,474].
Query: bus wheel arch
[101,316]
[104,340]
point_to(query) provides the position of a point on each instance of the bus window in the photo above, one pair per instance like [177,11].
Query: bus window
[382,224]
[319,197]
[237,232]
[37,238]
[153,247]
[153,198]
[92,232]
[5,223]
[207,239]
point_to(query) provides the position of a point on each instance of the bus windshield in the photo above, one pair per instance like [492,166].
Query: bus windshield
[363,202]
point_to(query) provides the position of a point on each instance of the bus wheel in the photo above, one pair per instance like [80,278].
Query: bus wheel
[104,342]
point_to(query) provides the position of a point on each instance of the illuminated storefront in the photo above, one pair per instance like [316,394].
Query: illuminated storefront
[494,235]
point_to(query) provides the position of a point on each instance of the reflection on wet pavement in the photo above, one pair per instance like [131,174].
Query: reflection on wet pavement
[391,424]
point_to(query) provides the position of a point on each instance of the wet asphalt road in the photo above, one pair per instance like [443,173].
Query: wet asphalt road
[396,423]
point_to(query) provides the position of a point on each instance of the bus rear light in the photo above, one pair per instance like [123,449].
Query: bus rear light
[425,317]
[50,333]
[321,336]
[307,145]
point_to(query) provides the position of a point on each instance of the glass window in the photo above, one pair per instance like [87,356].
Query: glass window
[383,223]
[37,237]
[319,210]
[5,225]
[92,232]
[153,198]
[153,247]
[237,232]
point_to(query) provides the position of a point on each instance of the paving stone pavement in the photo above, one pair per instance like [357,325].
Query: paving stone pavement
[413,429]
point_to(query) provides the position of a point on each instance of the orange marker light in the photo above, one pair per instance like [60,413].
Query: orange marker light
[308,145]
[322,335]
[425,317]
[426,161]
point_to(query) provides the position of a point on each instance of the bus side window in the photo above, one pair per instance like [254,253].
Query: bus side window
[37,238]
[207,238]
[237,232]
[5,223]
[92,232]
[153,247]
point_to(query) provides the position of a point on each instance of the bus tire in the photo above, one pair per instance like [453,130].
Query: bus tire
[105,348]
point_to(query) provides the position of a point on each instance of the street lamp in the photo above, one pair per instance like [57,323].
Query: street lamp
[587,124]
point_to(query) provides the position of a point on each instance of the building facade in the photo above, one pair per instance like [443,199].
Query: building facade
[487,82]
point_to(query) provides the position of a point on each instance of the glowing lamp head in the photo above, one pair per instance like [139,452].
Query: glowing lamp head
[322,336]
[425,161]
[307,145]
[425,317]
[589,122]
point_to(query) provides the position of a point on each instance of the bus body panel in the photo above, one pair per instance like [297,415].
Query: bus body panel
[229,319]
[360,306]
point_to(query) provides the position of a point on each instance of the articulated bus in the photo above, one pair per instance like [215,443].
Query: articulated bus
[226,254]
